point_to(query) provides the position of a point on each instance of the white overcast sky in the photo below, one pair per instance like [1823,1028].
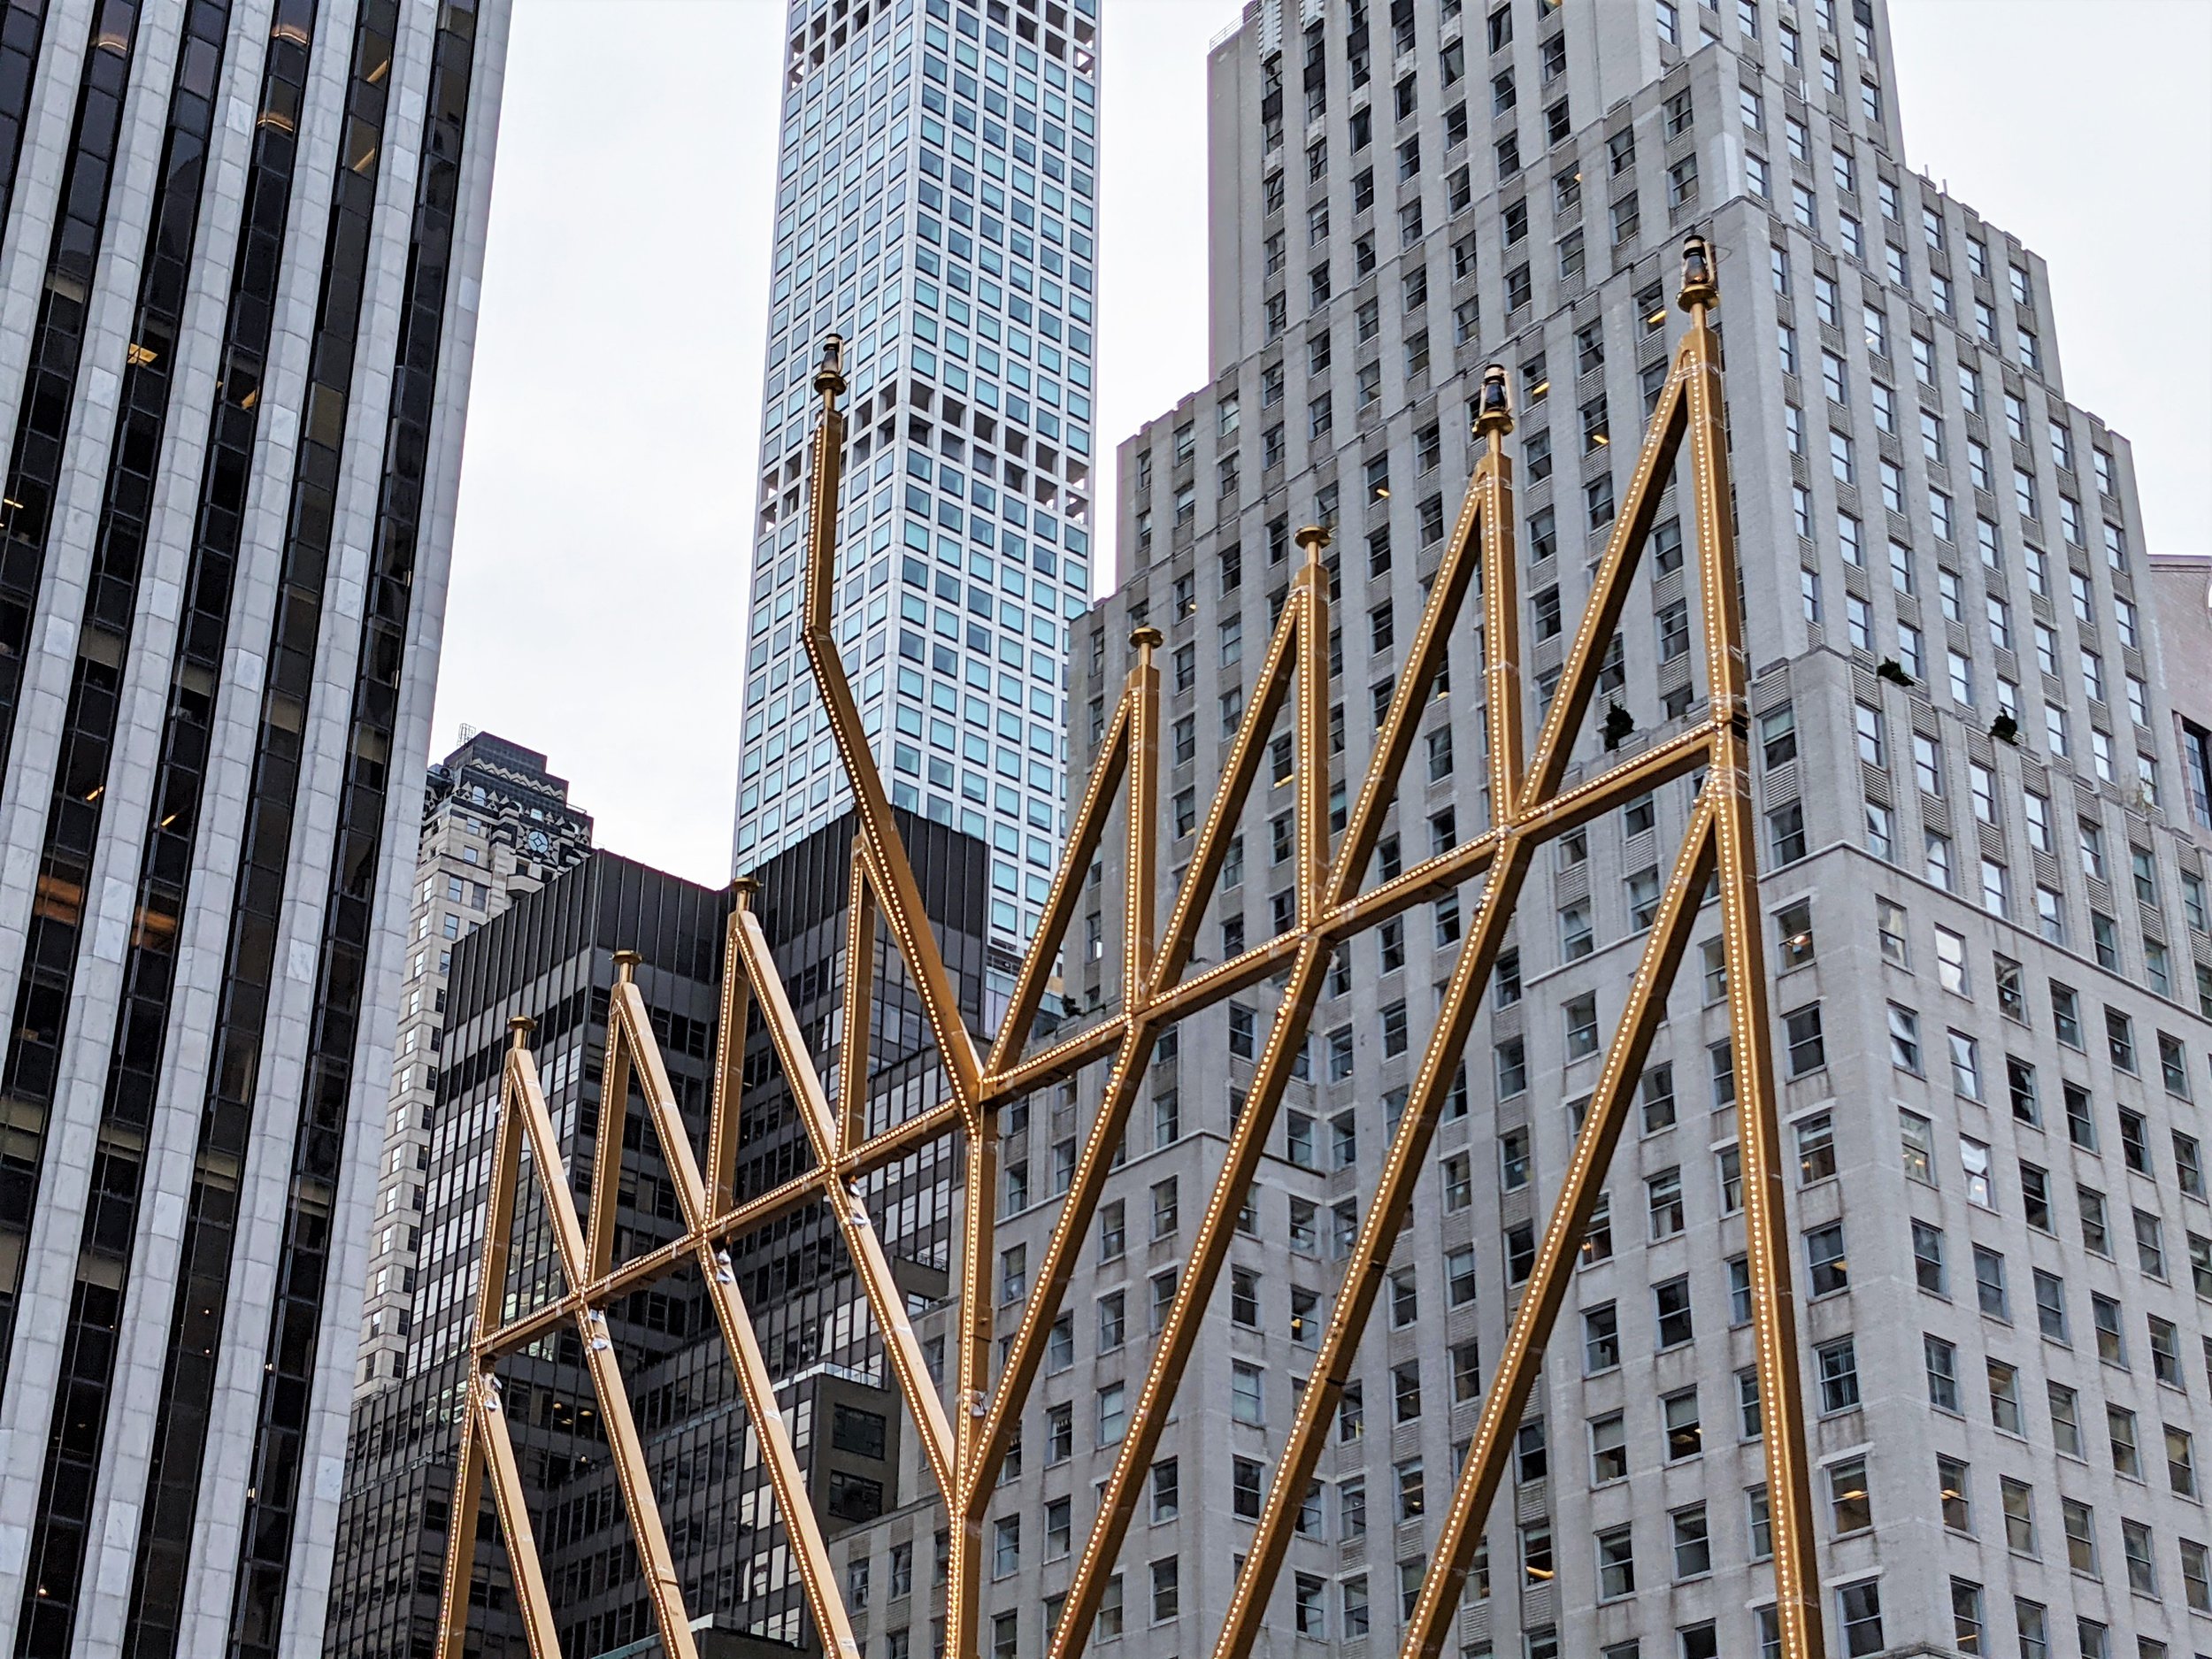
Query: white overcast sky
[597,601]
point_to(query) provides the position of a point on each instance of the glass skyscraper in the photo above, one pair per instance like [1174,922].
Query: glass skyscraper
[936,207]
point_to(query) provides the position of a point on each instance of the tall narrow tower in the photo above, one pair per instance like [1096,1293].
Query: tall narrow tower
[496,824]
[935,206]
[238,279]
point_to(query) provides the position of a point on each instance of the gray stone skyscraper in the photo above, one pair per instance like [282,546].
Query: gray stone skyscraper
[1992,948]
[496,824]
[936,205]
[239,281]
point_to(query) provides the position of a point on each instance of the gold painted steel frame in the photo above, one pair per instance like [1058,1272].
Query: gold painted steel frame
[1528,805]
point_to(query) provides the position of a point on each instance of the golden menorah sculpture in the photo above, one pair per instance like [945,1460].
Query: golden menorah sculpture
[963,1446]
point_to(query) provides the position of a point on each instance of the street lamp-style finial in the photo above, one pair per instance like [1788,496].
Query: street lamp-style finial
[1313,538]
[519,1028]
[1493,412]
[830,378]
[744,889]
[1146,637]
[1699,288]
[625,966]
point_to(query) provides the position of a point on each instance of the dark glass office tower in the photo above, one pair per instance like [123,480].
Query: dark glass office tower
[551,956]
[239,247]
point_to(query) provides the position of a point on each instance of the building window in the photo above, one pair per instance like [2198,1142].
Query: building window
[1686,1436]
[1246,1401]
[1824,1262]
[1670,1304]
[1807,1050]
[1837,1364]
[1859,1615]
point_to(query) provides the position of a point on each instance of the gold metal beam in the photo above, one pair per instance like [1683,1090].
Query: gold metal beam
[860,990]
[1429,1630]
[885,1300]
[466,1499]
[1751,1031]
[632,1030]
[925,1127]
[1131,752]
[1140,879]
[729,1075]
[497,1453]
[606,1173]
[1601,616]
[1086,834]
[1306,621]
[902,897]
[656,1566]
[491,1288]
[641,1270]
[1135,1031]
[1501,591]
[973,1321]
[1310,735]
[1528,806]
[1488,498]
